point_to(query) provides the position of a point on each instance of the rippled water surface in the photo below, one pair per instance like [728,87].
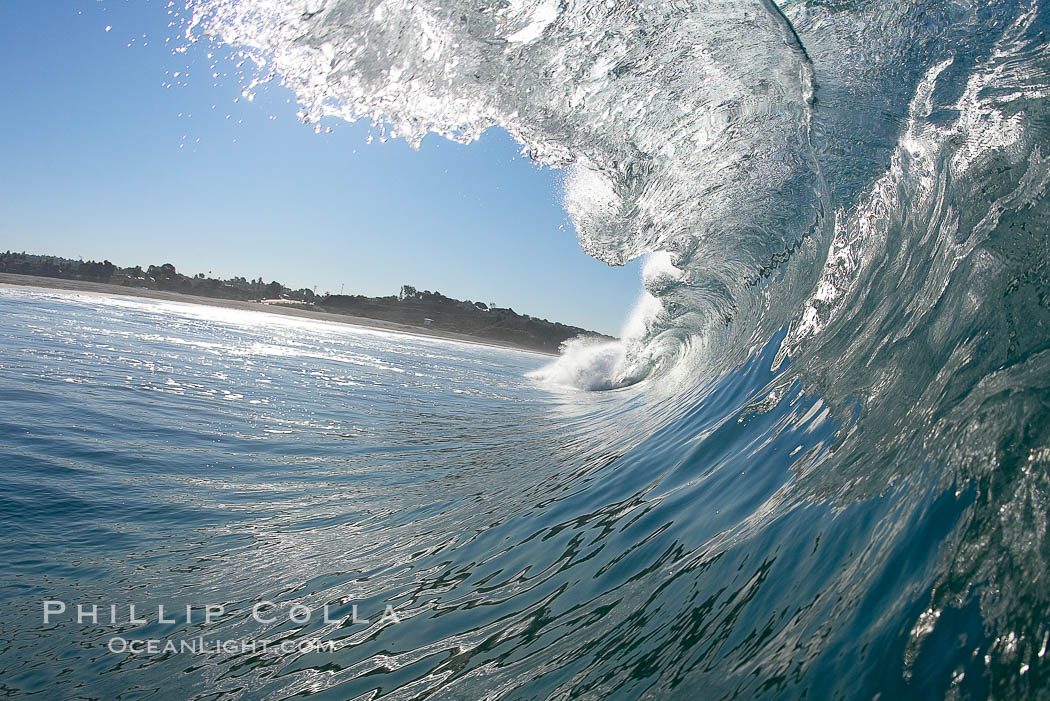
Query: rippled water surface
[531,541]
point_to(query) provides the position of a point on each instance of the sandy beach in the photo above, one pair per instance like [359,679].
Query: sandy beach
[46,283]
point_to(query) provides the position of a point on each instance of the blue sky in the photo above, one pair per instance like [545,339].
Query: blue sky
[107,154]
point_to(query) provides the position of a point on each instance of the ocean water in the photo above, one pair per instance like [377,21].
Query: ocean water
[815,465]
[533,541]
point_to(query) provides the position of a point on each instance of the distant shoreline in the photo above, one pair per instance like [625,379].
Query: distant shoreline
[48,283]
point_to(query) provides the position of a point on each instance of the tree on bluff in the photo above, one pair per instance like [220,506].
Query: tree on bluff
[162,272]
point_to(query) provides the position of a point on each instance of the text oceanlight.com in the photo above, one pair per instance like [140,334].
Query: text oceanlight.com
[200,646]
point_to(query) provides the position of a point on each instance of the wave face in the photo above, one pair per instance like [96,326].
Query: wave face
[844,205]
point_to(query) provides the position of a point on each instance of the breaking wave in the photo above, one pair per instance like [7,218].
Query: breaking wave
[843,206]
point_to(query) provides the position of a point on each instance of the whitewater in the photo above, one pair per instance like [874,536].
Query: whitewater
[817,462]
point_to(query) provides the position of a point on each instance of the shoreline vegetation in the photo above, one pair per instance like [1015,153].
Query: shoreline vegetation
[420,313]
